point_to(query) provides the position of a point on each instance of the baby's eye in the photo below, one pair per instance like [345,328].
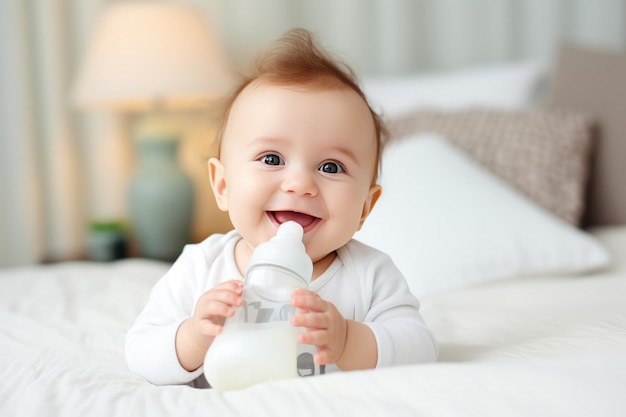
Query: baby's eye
[271,159]
[331,168]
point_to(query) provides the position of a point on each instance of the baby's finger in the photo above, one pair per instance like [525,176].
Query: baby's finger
[319,338]
[311,320]
[223,294]
[233,285]
[307,300]
[211,308]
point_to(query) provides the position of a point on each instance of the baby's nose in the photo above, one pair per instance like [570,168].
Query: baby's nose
[299,181]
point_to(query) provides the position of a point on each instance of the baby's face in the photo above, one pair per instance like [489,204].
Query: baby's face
[289,153]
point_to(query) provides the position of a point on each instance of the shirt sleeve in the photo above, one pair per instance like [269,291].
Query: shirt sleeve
[392,313]
[150,343]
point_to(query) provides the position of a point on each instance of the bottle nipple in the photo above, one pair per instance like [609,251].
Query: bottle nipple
[290,230]
[286,250]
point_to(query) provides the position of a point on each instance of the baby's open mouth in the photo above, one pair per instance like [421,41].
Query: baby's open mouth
[302,219]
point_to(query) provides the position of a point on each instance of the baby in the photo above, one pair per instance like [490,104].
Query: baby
[298,141]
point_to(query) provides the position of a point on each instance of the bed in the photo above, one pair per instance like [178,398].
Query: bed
[528,304]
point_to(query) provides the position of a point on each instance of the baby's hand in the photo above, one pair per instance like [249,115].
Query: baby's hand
[212,309]
[325,327]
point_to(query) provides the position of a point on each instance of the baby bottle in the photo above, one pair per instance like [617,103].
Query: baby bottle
[259,343]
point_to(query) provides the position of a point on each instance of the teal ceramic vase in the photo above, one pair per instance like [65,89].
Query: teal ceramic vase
[160,199]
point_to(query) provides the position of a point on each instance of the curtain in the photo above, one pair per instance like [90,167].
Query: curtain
[61,168]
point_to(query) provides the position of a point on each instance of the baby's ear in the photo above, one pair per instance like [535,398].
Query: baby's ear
[218,183]
[370,202]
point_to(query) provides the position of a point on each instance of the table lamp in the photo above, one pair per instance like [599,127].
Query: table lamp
[152,58]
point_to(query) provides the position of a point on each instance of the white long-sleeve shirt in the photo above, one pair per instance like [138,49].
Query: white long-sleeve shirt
[362,283]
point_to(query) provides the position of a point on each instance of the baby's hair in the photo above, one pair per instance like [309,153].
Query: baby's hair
[296,59]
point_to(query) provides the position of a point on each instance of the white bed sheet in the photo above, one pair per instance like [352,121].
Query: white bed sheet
[540,346]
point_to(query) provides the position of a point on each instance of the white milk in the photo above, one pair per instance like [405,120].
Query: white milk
[245,354]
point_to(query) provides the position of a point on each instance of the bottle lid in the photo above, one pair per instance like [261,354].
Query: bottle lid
[286,250]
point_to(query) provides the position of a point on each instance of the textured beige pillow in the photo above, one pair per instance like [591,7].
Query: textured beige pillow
[544,153]
[594,81]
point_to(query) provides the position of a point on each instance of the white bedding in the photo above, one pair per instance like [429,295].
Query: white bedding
[539,346]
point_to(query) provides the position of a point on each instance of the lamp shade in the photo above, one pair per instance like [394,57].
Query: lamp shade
[148,54]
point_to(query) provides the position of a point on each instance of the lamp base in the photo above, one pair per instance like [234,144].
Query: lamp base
[160,199]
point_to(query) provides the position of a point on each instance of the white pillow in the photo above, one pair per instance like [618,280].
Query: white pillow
[506,86]
[447,222]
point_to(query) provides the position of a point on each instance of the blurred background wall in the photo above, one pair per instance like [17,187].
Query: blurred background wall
[61,168]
